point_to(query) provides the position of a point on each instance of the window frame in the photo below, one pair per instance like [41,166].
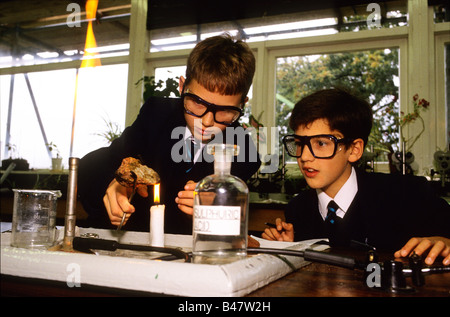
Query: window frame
[347,42]
[442,98]
[421,40]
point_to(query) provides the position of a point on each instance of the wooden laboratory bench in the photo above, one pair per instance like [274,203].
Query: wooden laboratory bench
[323,280]
[313,280]
[260,213]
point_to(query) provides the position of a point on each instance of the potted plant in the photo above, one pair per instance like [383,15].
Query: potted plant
[112,132]
[56,161]
[20,163]
[152,88]
[403,159]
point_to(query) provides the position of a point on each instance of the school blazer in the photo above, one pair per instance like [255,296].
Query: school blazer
[152,138]
[386,212]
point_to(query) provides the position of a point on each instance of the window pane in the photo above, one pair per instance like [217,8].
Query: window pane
[49,32]
[333,20]
[101,100]
[173,72]
[441,13]
[373,74]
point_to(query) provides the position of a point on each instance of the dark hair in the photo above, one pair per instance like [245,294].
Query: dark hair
[222,64]
[344,112]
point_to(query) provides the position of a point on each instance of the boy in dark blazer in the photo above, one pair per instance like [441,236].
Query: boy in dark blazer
[218,76]
[389,212]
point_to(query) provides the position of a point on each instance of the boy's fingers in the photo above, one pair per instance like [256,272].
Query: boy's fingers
[288,226]
[185,198]
[279,224]
[124,204]
[186,194]
[267,235]
[190,186]
[408,247]
[186,209]
[276,234]
[422,246]
[435,251]
[288,237]
[446,260]
[271,234]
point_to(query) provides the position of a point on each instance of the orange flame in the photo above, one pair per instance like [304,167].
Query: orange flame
[90,58]
[156,194]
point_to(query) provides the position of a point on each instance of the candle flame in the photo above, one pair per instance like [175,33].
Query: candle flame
[156,194]
[90,57]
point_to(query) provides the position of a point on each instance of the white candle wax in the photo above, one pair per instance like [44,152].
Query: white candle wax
[157,225]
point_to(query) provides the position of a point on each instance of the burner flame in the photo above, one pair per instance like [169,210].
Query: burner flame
[90,57]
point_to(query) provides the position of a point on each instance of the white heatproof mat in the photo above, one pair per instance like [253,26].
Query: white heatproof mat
[137,271]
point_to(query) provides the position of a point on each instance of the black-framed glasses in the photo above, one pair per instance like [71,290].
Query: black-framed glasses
[321,146]
[196,106]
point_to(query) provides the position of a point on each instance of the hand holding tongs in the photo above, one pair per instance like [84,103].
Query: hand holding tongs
[133,174]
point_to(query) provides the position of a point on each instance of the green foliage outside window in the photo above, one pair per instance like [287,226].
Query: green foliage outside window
[369,74]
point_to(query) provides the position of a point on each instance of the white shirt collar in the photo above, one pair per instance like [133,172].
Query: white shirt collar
[188,135]
[343,198]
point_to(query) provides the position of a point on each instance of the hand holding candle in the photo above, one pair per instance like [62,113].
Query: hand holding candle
[157,220]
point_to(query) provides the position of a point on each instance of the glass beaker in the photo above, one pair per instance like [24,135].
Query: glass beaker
[34,218]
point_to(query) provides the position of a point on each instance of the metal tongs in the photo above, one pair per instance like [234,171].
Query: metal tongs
[86,245]
[133,174]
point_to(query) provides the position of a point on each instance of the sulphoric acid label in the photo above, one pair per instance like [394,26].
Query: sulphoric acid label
[217,220]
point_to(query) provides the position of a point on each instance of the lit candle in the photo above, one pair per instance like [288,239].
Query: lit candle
[157,220]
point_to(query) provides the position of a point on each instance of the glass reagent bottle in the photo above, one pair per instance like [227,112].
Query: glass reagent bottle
[220,217]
